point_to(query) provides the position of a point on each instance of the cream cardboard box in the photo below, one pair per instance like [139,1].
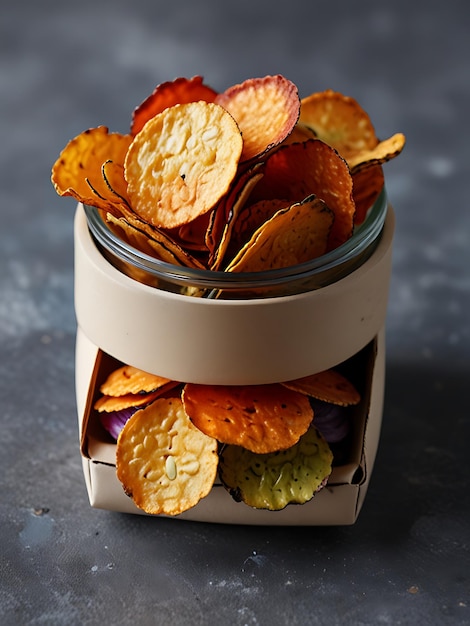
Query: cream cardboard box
[233,342]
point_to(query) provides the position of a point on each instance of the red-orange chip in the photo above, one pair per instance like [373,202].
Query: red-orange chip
[266,110]
[298,170]
[182,162]
[179,91]
[367,185]
[260,418]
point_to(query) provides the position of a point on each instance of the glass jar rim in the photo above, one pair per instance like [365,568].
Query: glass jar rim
[363,236]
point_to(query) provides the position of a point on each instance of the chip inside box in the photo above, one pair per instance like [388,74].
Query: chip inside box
[338,503]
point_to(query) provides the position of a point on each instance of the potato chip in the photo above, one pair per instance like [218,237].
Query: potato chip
[329,386]
[77,172]
[367,185]
[339,121]
[151,241]
[182,162]
[266,110]
[294,235]
[272,481]
[298,170]
[254,216]
[109,404]
[384,151]
[179,91]
[128,379]
[164,463]
[260,418]
[224,216]
[113,175]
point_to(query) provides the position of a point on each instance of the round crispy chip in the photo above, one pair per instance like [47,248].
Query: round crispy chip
[272,481]
[109,404]
[182,162]
[329,386]
[260,418]
[298,170]
[294,235]
[78,170]
[266,110]
[339,121]
[179,91]
[164,463]
[129,379]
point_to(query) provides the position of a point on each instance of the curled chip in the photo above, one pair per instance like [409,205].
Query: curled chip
[266,110]
[260,418]
[129,379]
[329,386]
[272,481]
[78,170]
[179,91]
[294,235]
[151,240]
[384,151]
[367,186]
[298,170]
[164,463]
[182,162]
[339,121]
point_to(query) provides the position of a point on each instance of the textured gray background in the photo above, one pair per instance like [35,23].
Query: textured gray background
[67,66]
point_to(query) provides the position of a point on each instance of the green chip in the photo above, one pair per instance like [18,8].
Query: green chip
[274,480]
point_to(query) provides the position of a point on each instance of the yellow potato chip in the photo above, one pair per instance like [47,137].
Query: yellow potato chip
[78,170]
[165,464]
[179,91]
[294,235]
[128,379]
[266,110]
[384,151]
[298,170]
[329,386]
[182,162]
[260,418]
[339,121]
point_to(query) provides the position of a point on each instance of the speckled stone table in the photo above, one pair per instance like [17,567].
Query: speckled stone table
[68,66]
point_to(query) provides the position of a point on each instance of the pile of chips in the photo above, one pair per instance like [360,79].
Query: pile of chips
[249,179]
[174,439]
[245,180]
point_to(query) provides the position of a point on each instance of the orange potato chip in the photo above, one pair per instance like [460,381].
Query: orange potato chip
[298,170]
[339,121]
[384,151]
[128,379]
[260,418]
[179,91]
[151,241]
[109,404]
[77,172]
[266,110]
[182,162]
[294,235]
[329,386]
[165,464]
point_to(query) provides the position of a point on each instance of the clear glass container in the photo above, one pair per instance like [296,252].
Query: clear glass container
[308,276]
